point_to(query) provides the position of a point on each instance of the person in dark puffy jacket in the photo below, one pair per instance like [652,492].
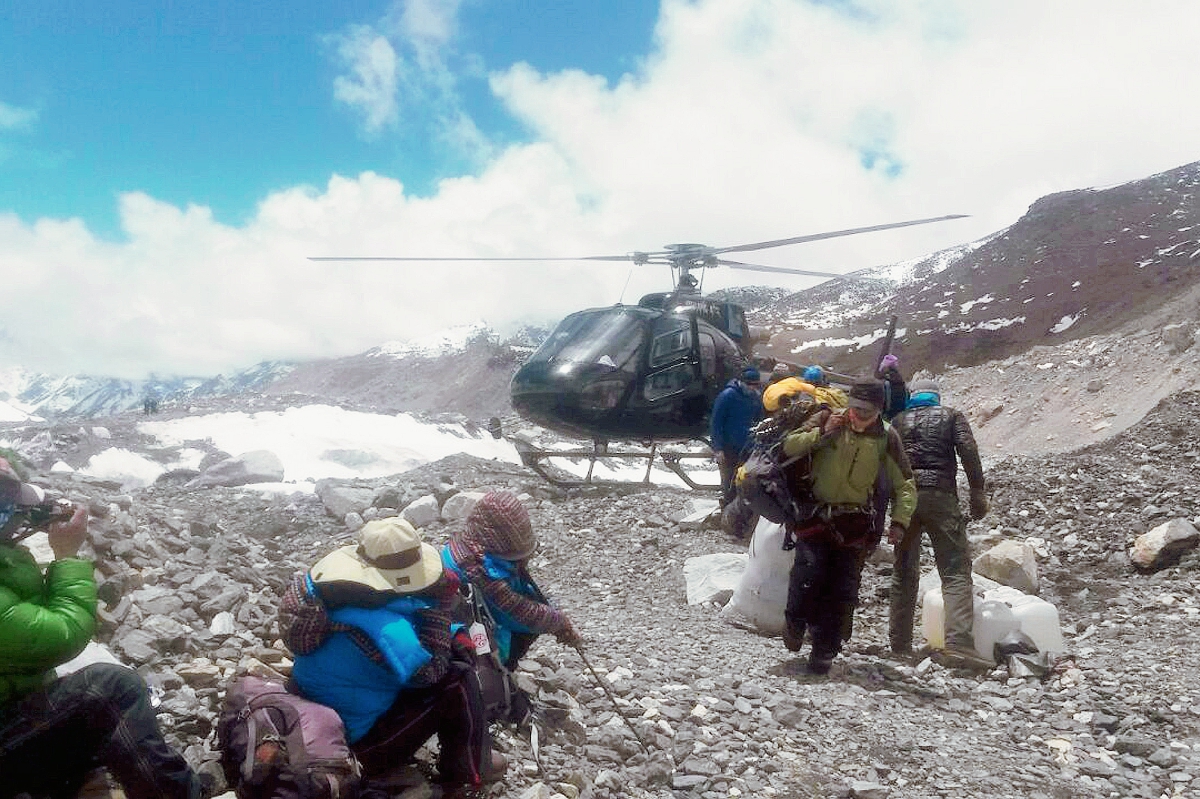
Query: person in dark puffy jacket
[935,439]
[735,412]
[54,731]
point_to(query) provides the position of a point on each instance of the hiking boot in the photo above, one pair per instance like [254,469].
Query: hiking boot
[961,657]
[492,770]
[793,639]
[820,665]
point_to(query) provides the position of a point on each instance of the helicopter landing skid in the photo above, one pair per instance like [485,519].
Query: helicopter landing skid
[536,459]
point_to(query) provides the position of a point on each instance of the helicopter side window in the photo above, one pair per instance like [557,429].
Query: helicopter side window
[669,381]
[672,341]
[708,354]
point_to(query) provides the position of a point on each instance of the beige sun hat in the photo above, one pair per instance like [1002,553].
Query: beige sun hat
[389,556]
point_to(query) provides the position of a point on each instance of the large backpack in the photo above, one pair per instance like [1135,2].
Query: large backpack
[502,700]
[777,487]
[277,745]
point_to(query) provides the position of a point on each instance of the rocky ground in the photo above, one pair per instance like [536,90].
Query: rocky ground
[191,580]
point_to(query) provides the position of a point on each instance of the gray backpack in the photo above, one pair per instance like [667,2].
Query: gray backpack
[277,745]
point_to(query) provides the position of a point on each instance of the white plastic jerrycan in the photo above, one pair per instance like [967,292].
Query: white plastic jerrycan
[1032,615]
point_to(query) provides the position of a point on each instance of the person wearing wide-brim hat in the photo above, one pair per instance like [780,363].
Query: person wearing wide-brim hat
[491,552]
[370,627]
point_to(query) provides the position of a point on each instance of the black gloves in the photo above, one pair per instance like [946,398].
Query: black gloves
[979,505]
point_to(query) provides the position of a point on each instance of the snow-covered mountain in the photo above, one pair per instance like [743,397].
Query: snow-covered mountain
[24,394]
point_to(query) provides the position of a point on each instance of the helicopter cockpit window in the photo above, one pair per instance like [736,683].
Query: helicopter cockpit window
[608,337]
[672,341]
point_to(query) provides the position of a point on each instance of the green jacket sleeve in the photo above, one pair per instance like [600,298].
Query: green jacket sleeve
[38,632]
[801,442]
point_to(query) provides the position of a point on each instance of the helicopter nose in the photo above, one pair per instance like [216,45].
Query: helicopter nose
[566,395]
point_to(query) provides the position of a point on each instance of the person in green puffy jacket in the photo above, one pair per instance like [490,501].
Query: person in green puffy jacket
[54,731]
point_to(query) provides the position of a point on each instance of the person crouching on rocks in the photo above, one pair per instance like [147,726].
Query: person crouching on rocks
[492,553]
[848,450]
[370,627]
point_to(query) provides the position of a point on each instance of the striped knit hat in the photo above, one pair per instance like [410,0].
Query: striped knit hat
[500,525]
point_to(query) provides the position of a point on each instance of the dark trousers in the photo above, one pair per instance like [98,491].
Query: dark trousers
[938,513]
[728,468]
[823,583]
[453,709]
[98,716]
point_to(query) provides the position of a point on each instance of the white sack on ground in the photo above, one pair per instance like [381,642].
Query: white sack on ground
[761,595]
[712,578]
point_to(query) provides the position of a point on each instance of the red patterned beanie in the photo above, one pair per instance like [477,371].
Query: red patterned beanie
[500,525]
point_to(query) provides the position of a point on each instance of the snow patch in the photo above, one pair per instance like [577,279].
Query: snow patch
[969,304]
[1065,323]
[446,342]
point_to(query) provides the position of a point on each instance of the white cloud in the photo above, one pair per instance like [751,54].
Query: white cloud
[12,117]
[370,86]
[748,121]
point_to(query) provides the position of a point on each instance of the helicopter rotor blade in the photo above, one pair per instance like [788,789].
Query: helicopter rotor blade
[468,258]
[764,245]
[780,269]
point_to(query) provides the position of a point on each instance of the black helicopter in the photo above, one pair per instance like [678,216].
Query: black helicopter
[645,373]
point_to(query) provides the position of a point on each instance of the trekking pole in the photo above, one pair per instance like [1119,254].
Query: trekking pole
[579,648]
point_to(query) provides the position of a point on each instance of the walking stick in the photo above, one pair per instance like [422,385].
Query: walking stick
[579,648]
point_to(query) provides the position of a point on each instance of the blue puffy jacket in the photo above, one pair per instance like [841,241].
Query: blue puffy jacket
[736,410]
[341,676]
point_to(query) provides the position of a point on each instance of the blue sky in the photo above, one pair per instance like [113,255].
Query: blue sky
[166,168]
[220,103]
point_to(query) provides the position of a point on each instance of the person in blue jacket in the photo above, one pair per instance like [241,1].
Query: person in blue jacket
[735,412]
[370,628]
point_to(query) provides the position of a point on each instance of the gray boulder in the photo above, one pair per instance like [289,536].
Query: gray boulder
[1164,545]
[258,466]
[422,511]
[1010,563]
[341,499]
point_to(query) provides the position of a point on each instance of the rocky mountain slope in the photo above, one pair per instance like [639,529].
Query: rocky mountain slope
[1077,264]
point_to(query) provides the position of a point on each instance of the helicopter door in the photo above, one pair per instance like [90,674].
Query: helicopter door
[671,367]
[673,386]
[708,356]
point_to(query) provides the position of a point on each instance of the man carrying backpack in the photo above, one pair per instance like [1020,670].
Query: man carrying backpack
[370,626]
[849,449]
[53,732]
[934,436]
[735,412]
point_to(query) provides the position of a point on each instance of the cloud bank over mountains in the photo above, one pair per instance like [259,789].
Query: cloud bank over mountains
[746,122]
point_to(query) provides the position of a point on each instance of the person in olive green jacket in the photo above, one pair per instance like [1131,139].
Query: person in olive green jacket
[848,449]
[53,732]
